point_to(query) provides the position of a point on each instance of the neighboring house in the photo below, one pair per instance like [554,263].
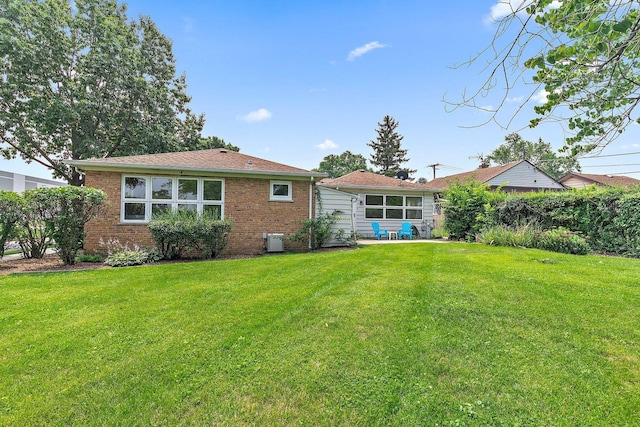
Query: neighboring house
[520,176]
[583,180]
[260,197]
[16,182]
[362,197]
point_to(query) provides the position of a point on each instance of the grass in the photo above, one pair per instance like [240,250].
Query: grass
[421,334]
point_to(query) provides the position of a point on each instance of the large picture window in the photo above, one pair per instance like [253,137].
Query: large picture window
[145,196]
[378,206]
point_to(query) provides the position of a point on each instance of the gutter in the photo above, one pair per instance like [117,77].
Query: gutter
[110,167]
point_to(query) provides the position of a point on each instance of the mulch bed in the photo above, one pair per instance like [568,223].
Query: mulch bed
[52,262]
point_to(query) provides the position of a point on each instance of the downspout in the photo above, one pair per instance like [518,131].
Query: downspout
[310,206]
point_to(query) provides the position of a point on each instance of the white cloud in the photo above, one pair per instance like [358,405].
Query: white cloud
[515,99]
[327,145]
[540,97]
[257,116]
[504,8]
[359,51]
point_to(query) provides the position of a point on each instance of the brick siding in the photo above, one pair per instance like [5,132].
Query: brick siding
[246,204]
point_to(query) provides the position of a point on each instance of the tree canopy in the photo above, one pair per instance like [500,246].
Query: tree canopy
[210,142]
[388,156]
[342,164]
[583,58]
[540,153]
[79,80]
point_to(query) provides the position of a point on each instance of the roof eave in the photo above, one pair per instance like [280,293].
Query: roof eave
[374,187]
[89,165]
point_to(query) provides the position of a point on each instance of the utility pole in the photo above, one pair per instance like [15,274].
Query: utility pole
[434,166]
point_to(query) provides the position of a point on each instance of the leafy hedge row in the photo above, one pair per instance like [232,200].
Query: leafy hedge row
[40,217]
[176,233]
[607,218]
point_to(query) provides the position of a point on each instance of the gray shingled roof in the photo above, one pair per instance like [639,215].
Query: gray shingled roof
[214,160]
[481,174]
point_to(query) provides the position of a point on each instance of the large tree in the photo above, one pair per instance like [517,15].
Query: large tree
[388,156]
[342,164]
[79,80]
[209,142]
[539,153]
[583,58]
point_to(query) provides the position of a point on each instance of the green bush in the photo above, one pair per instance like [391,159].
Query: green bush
[317,231]
[607,217]
[176,233]
[32,232]
[56,216]
[503,235]
[467,207]
[119,255]
[89,258]
[72,208]
[10,214]
[127,258]
[563,241]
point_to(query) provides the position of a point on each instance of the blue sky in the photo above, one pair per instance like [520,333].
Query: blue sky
[295,81]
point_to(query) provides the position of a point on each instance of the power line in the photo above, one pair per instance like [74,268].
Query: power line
[611,166]
[623,173]
[610,155]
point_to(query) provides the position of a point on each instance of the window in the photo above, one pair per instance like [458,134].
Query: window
[280,191]
[145,196]
[392,207]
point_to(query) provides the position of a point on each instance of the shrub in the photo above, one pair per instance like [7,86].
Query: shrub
[562,240]
[466,208]
[214,236]
[176,233]
[317,231]
[502,235]
[119,255]
[10,214]
[58,216]
[72,208]
[32,232]
[89,258]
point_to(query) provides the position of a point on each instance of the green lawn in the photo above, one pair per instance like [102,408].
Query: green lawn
[413,334]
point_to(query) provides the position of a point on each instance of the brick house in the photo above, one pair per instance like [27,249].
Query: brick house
[260,197]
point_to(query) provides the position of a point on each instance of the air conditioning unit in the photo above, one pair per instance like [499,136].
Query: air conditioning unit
[275,242]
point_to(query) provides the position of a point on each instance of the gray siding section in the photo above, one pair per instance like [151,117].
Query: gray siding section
[351,203]
[330,201]
[18,183]
[527,176]
[363,225]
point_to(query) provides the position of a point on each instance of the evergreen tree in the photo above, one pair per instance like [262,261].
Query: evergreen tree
[387,155]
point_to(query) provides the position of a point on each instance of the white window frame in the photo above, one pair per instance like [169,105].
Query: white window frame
[404,207]
[174,201]
[278,198]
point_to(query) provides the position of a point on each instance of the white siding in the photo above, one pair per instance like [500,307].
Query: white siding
[363,225]
[577,183]
[525,175]
[330,201]
[18,183]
